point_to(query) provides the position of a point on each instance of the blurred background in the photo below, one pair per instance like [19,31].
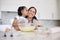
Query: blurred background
[48,11]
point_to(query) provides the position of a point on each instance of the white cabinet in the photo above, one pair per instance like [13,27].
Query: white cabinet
[45,9]
[48,9]
[9,5]
[55,14]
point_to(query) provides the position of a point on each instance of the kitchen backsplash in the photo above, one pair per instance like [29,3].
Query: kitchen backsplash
[7,16]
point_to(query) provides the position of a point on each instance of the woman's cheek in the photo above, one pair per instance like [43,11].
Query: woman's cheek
[30,15]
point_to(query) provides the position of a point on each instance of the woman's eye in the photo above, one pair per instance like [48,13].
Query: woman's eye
[33,12]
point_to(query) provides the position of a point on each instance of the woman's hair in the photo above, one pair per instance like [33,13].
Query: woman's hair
[35,13]
[34,8]
[20,9]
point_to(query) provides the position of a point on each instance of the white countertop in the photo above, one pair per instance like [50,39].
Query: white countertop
[17,35]
[36,35]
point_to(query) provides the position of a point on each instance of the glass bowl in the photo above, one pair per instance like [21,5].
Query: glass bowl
[27,27]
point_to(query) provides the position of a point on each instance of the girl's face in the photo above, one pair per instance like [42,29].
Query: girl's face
[24,11]
[31,12]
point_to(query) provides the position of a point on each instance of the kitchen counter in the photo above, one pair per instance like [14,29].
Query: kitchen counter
[18,35]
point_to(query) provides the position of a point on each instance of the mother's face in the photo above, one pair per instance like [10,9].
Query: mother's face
[31,12]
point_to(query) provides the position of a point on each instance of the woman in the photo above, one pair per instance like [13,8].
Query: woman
[31,15]
[22,13]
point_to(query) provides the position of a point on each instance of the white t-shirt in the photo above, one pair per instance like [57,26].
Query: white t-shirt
[20,18]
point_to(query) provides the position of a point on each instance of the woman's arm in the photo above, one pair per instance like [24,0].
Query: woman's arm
[35,21]
[37,24]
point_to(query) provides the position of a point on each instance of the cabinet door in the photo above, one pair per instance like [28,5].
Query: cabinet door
[45,9]
[55,10]
[9,5]
[49,9]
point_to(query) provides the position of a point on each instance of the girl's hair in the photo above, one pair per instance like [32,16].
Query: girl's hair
[20,9]
[35,13]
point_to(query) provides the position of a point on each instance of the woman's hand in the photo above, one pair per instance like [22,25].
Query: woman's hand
[17,28]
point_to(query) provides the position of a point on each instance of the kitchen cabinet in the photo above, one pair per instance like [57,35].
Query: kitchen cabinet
[9,5]
[46,9]
[55,13]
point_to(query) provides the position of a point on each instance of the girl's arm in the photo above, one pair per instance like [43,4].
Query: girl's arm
[15,24]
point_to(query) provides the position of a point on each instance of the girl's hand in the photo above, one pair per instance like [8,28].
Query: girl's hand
[22,22]
[17,28]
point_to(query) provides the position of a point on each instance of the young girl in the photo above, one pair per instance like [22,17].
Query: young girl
[22,13]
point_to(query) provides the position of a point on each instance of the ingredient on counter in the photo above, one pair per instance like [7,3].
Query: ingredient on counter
[46,30]
[7,30]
